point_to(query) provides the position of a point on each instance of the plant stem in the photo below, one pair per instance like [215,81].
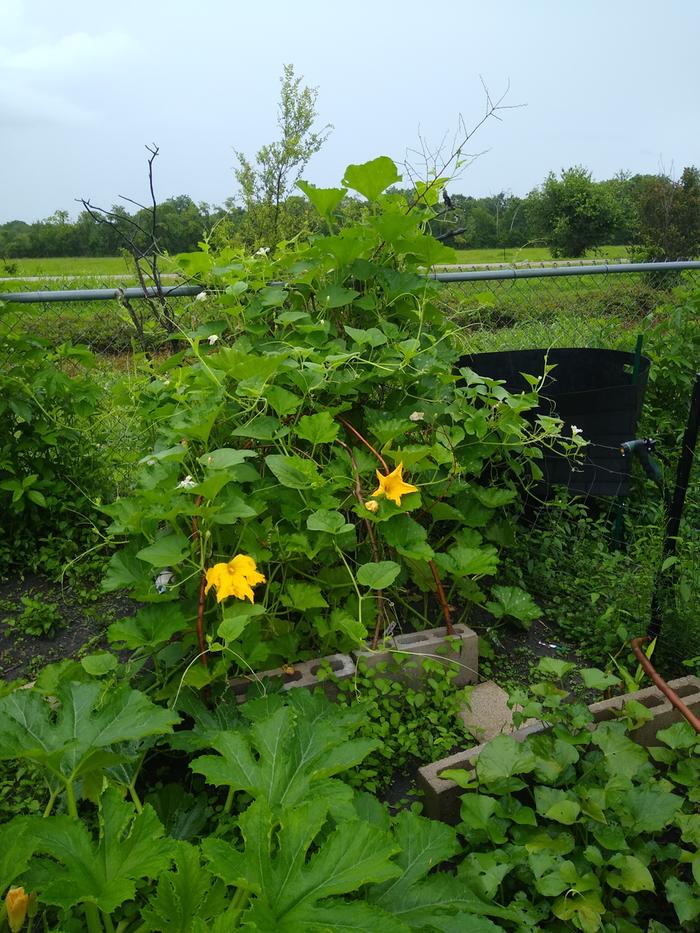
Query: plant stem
[441,596]
[109,926]
[229,800]
[51,802]
[346,424]
[92,916]
[239,902]
[135,797]
[200,621]
[70,802]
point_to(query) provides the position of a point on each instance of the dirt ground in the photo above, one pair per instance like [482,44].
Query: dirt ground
[83,615]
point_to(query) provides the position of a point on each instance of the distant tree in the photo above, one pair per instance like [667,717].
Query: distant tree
[669,216]
[267,181]
[571,213]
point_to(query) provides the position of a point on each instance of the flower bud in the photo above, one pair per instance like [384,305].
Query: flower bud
[16,902]
[371,505]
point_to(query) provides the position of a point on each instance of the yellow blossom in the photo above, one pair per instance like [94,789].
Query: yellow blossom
[236,578]
[371,506]
[393,486]
[16,902]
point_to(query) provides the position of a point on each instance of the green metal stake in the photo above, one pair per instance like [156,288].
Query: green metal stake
[619,528]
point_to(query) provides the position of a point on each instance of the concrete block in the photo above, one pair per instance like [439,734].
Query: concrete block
[460,651]
[488,713]
[303,674]
[441,796]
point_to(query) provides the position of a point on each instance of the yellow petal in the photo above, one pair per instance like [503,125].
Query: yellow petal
[16,902]
[235,578]
[392,486]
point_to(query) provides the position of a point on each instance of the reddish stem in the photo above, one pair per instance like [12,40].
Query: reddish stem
[442,598]
[364,440]
[650,670]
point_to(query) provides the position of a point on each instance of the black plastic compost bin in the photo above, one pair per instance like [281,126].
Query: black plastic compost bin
[592,389]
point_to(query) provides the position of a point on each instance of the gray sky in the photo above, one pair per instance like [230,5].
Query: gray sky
[85,84]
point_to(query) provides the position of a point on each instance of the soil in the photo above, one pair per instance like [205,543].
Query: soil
[83,617]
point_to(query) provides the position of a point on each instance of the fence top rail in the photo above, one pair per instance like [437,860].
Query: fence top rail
[177,291]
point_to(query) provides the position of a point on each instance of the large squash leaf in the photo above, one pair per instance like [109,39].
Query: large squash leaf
[293,892]
[78,732]
[290,754]
[131,847]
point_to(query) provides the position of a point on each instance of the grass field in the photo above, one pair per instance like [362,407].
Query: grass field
[117,265]
[71,265]
[532,254]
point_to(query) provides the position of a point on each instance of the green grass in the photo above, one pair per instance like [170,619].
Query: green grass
[532,254]
[72,265]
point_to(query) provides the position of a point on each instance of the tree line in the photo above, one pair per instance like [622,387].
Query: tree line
[659,217]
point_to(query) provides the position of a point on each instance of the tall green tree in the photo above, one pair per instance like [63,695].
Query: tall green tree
[266,182]
[571,214]
[669,216]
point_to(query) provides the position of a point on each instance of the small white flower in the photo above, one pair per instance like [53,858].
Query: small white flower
[186,483]
[416,416]
[212,338]
[202,296]
[575,430]
[150,462]
[164,579]
[263,251]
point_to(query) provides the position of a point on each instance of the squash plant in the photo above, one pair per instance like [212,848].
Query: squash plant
[314,430]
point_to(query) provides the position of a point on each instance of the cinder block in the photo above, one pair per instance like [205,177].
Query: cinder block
[441,796]
[304,674]
[460,651]
[488,713]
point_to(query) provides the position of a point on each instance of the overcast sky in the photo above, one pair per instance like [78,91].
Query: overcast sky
[85,84]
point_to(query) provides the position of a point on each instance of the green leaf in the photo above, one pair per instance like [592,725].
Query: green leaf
[515,602]
[166,551]
[102,662]
[554,667]
[16,848]
[282,400]
[476,810]
[317,429]
[294,472]
[303,596]
[684,899]
[225,457]
[188,894]
[87,722]
[289,887]
[335,296]
[236,617]
[377,576]
[289,755]
[130,848]
[371,178]
[325,200]
[372,337]
[408,537]
[502,759]
[630,875]
[332,522]
[151,626]
[595,679]
[557,805]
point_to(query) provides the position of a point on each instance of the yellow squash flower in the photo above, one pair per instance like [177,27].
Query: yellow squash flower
[236,578]
[393,486]
[16,903]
